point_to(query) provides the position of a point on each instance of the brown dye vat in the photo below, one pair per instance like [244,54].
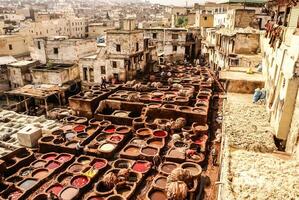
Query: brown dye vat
[184,109]
[123,130]
[40,173]
[156,194]
[47,139]
[102,189]
[169,106]
[156,142]
[10,162]
[76,168]
[82,135]
[138,141]
[58,141]
[104,123]
[187,129]
[115,197]
[168,167]
[122,163]
[90,130]
[65,177]
[94,122]
[160,182]
[132,150]
[41,197]
[124,190]
[27,183]
[14,179]
[84,160]
[194,169]
[81,120]
[22,154]
[201,110]
[38,163]
[174,153]
[49,156]
[200,129]
[115,138]
[71,144]
[151,151]
[144,132]
[138,123]
[154,105]
[69,193]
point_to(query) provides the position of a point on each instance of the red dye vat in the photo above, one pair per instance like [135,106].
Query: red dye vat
[55,189]
[49,157]
[110,130]
[156,99]
[53,165]
[80,181]
[160,133]
[141,167]
[115,138]
[15,195]
[99,164]
[64,158]
[79,128]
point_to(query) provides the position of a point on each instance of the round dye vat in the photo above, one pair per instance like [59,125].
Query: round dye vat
[132,150]
[15,195]
[195,170]
[160,133]
[26,171]
[52,165]
[115,138]
[76,168]
[84,160]
[144,132]
[149,151]
[157,195]
[123,190]
[14,179]
[90,130]
[79,128]
[121,114]
[79,181]
[67,127]
[141,166]
[40,173]
[122,130]
[96,198]
[161,182]
[39,163]
[99,164]
[55,189]
[138,141]
[168,167]
[27,184]
[109,129]
[70,135]
[72,144]
[107,147]
[69,193]
[50,156]
[64,158]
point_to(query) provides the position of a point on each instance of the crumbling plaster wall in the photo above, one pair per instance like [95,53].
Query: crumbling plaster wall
[252,42]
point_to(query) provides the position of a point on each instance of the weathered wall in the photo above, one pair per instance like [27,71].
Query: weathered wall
[18,44]
[206,20]
[252,42]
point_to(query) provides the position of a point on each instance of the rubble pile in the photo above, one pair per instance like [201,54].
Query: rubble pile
[252,175]
[247,127]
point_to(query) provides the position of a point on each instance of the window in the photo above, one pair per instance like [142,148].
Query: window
[10,47]
[55,50]
[174,48]
[205,18]
[84,73]
[103,70]
[137,46]
[91,75]
[154,35]
[38,45]
[175,36]
[114,64]
[118,48]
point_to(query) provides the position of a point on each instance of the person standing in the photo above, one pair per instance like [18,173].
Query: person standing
[214,156]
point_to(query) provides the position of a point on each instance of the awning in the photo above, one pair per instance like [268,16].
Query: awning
[5,60]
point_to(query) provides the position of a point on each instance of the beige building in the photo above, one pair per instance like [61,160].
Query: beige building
[13,45]
[62,49]
[98,29]
[125,52]
[19,73]
[281,69]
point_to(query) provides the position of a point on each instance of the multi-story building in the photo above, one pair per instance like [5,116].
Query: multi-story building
[61,49]
[124,53]
[281,69]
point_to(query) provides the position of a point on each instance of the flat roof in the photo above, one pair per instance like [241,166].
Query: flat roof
[5,60]
[21,63]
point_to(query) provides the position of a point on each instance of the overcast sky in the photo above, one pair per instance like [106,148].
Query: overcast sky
[177,2]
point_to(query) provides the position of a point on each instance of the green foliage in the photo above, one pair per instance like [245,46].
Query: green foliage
[182,21]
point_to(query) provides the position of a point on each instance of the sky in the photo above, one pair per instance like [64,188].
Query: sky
[177,2]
